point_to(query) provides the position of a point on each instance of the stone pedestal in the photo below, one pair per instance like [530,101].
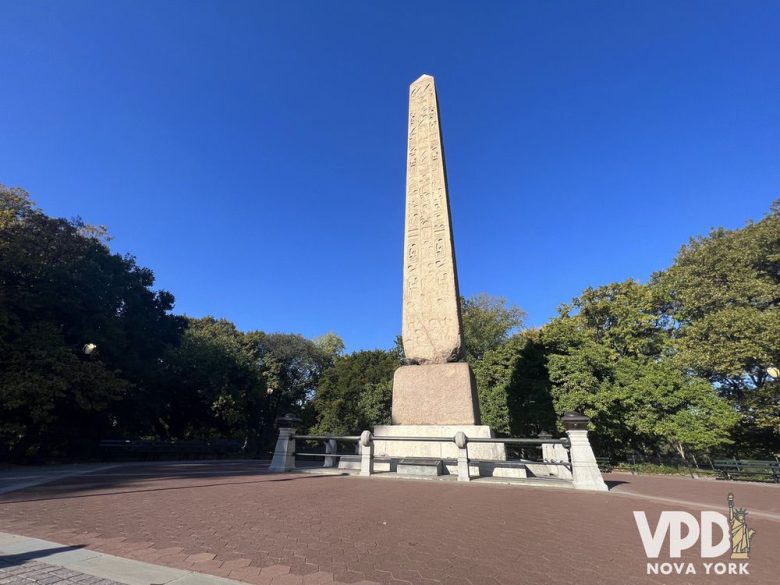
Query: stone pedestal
[435,394]
[284,453]
[584,468]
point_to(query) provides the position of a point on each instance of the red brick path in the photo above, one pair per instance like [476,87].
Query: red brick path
[233,519]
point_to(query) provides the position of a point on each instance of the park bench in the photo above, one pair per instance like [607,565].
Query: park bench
[150,449]
[605,465]
[735,468]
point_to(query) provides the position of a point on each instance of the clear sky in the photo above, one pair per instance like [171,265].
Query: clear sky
[253,153]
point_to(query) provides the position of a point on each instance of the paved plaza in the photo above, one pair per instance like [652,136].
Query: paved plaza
[235,520]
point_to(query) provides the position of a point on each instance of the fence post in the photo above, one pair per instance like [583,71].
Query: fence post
[554,453]
[366,453]
[461,441]
[330,447]
[547,454]
[284,453]
[584,468]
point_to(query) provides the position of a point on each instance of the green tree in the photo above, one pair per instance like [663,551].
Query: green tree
[61,290]
[609,358]
[330,344]
[514,387]
[721,299]
[488,322]
[355,394]
[216,387]
[292,366]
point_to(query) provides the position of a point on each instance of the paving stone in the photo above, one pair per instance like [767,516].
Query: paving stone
[315,527]
[36,572]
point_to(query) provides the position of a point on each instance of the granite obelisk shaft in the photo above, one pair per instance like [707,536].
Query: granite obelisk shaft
[432,328]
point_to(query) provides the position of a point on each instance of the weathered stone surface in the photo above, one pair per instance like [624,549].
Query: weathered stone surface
[584,468]
[420,467]
[432,328]
[438,449]
[435,394]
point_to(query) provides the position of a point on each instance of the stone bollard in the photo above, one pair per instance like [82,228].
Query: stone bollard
[555,453]
[330,447]
[547,448]
[284,453]
[561,455]
[461,441]
[366,453]
[584,468]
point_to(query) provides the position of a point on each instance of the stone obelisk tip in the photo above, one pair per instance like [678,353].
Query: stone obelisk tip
[423,77]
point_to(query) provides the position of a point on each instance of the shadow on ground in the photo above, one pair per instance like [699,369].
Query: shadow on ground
[18,559]
[131,478]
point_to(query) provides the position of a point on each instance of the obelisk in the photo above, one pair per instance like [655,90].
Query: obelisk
[435,388]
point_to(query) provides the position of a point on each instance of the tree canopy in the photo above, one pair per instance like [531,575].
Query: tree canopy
[355,394]
[488,322]
[63,289]
[89,349]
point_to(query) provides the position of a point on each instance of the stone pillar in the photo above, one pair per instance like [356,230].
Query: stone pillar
[330,447]
[547,448]
[555,453]
[284,453]
[461,441]
[561,455]
[366,453]
[584,469]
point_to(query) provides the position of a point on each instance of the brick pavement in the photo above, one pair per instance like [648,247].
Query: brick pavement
[235,520]
[32,572]
[763,497]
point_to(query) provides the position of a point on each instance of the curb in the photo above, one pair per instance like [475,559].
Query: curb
[16,549]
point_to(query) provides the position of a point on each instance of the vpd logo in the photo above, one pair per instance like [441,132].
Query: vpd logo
[715,533]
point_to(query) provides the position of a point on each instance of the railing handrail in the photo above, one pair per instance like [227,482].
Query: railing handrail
[513,441]
[504,440]
[397,438]
[328,438]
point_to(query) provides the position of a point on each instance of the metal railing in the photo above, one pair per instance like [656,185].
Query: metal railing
[572,452]
[537,442]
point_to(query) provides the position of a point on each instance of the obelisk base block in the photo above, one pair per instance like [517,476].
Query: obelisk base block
[435,394]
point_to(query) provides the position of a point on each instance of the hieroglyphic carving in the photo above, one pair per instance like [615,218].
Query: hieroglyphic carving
[432,330]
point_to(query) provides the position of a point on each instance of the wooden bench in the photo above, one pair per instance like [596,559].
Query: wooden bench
[735,468]
[605,465]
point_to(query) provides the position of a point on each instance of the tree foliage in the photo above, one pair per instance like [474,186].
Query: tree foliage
[722,301]
[89,349]
[355,394]
[62,289]
[292,366]
[152,374]
[514,387]
[609,358]
[488,322]
[215,385]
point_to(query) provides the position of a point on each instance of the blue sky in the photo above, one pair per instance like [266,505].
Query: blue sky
[253,153]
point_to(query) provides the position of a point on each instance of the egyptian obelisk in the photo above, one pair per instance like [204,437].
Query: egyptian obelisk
[434,393]
[435,387]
